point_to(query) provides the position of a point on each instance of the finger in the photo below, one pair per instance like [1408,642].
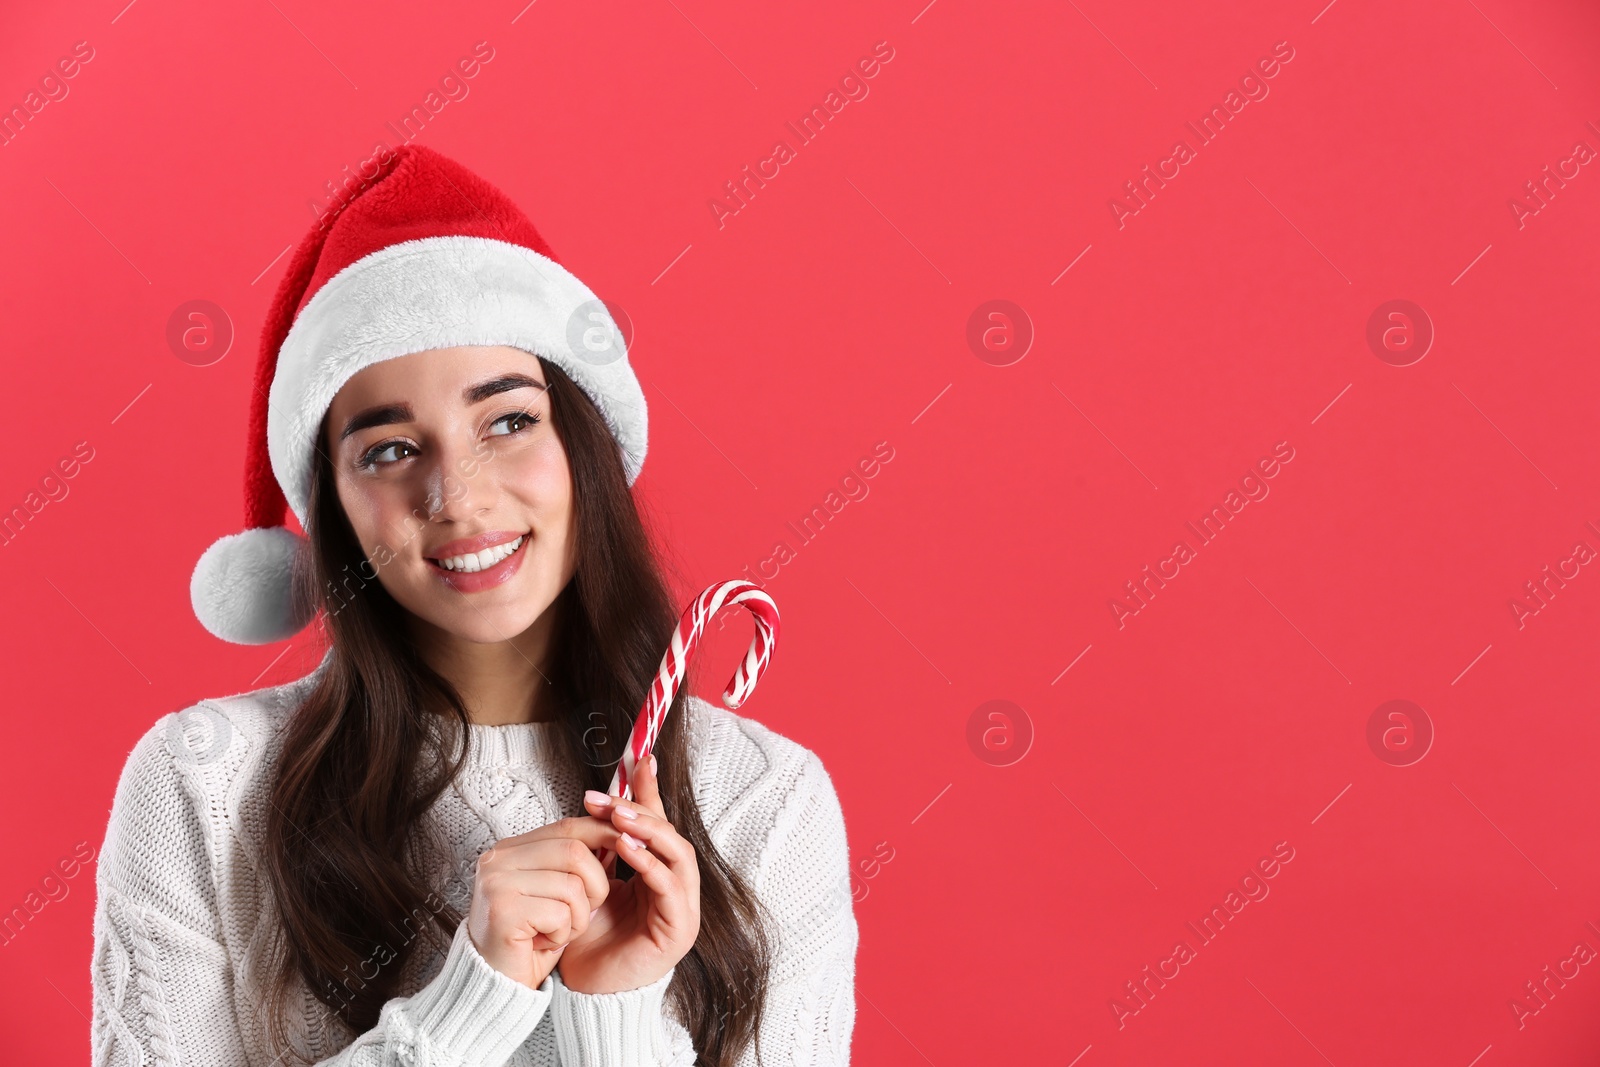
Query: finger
[671,898]
[563,886]
[521,900]
[589,830]
[557,854]
[581,910]
[544,922]
[663,838]
[598,804]
[608,861]
[667,846]
[596,835]
[551,925]
[647,786]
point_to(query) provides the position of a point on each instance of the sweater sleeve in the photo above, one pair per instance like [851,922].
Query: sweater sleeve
[163,984]
[626,1029]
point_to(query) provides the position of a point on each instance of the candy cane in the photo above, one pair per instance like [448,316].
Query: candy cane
[647,727]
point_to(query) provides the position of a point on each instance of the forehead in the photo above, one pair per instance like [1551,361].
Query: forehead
[436,374]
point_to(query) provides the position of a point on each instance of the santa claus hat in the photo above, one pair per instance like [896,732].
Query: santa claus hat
[428,255]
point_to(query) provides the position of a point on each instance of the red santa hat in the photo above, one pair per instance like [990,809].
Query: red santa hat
[428,255]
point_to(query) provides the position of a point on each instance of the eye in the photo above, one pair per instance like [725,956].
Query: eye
[518,422]
[370,459]
[526,418]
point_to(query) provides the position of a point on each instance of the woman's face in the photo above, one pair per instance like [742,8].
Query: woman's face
[445,462]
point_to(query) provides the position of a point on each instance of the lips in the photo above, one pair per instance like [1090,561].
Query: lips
[466,546]
[490,577]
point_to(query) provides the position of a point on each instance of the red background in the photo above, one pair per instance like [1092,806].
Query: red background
[831,313]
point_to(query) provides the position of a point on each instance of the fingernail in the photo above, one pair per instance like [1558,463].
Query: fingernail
[594,796]
[593,913]
[627,813]
[652,763]
[631,841]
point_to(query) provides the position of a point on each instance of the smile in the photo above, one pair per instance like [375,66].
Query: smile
[477,571]
[480,561]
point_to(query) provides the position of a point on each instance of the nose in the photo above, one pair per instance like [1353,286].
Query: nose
[456,488]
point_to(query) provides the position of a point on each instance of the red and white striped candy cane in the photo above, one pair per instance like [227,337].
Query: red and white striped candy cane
[676,661]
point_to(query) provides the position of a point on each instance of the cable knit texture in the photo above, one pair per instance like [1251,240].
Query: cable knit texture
[183,919]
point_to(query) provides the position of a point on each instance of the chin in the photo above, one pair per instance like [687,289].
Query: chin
[486,624]
[486,616]
[491,633]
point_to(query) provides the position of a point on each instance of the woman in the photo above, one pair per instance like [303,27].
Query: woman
[393,860]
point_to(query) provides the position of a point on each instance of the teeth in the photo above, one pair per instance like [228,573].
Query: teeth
[478,561]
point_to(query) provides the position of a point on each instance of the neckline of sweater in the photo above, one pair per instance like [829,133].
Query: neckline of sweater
[511,744]
[494,745]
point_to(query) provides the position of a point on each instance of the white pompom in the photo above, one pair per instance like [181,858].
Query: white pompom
[242,589]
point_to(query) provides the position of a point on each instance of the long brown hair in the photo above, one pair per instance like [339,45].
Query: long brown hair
[381,735]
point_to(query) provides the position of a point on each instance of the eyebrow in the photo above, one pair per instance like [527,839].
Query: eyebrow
[388,414]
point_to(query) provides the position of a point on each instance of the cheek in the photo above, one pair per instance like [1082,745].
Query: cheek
[541,478]
[377,513]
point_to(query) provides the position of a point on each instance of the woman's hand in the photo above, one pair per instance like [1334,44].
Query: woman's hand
[650,922]
[534,893]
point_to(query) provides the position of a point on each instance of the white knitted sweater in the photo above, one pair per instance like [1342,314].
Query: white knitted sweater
[183,915]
